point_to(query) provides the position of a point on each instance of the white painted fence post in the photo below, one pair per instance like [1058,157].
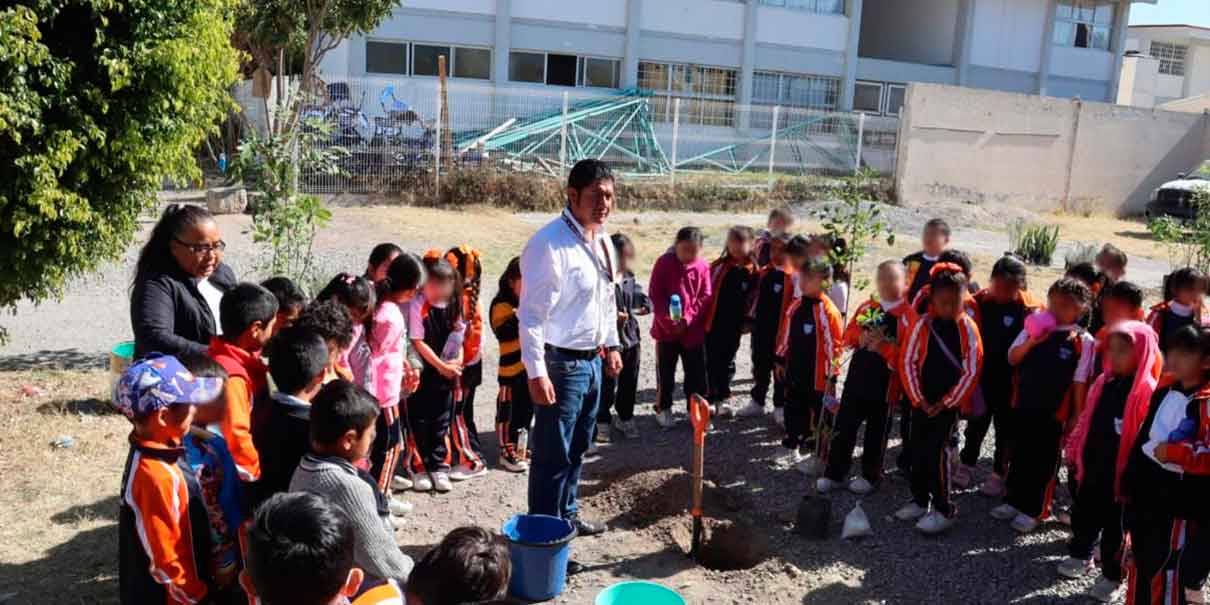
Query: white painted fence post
[563,140]
[676,138]
[860,141]
[773,144]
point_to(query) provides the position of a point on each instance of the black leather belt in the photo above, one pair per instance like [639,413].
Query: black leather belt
[574,353]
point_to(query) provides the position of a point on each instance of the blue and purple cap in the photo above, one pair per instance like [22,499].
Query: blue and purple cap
[160,381]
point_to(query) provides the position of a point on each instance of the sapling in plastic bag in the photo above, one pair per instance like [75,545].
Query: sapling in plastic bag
[856,524]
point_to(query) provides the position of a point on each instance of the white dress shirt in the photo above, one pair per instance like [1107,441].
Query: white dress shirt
[567,296]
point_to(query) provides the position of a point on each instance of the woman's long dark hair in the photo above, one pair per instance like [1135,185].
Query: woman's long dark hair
[470,271]
[156,255]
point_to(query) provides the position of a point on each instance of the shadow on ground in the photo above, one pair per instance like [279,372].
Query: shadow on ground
[63,359]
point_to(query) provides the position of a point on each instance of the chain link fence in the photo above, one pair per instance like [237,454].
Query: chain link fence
[396,137]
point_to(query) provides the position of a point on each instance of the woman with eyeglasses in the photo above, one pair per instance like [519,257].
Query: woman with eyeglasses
[178,283]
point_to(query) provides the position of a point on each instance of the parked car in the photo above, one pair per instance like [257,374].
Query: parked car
[1175,198]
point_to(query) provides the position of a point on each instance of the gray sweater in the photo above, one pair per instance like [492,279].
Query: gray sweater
[337,480]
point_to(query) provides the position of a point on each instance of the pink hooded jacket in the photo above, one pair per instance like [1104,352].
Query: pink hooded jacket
[692,283]
[1146,351]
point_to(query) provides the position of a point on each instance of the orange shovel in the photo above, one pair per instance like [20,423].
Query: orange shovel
[699,415]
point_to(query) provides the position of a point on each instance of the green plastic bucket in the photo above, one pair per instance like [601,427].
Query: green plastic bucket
[120,357]
[639,593]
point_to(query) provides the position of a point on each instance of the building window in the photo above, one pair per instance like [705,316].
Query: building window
[867,97]
[472,63]
[1171,57]
[393,58]
[386,58]
[826,7]
[817,92]
[708,93]
[1084,23]
[563,70]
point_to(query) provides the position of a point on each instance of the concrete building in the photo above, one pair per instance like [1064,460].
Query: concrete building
[1166,66]
[716,54]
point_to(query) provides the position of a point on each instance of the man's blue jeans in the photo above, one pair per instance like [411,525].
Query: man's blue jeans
[562,433]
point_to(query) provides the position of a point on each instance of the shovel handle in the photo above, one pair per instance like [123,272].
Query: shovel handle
[699,415]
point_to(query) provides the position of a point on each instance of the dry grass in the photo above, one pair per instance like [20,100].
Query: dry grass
[1130,235]
[59,507]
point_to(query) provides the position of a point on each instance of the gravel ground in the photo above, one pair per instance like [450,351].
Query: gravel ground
[639,487]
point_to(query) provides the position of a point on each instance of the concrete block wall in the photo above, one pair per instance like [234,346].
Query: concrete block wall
[962,144]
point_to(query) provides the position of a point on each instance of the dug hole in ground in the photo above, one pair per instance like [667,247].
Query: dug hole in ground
[58,506]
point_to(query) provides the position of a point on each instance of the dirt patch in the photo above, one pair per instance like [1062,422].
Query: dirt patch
[727,545]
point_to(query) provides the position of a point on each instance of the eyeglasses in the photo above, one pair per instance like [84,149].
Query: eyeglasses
[201,249]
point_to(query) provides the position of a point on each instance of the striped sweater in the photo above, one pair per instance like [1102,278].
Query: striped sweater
[507,330]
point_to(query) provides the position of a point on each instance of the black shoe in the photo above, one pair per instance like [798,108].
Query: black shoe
[588,528]
[574,568]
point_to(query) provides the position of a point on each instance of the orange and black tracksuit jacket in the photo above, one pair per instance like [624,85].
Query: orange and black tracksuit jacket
[774,294]
[874,375]
[999,324]
[918,267]
[809,342]
[732,292]
[163,530]
[247,382]
[922,368]
[386,592]
[1165,322]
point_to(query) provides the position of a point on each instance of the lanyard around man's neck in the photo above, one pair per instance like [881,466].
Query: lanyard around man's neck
[605,267]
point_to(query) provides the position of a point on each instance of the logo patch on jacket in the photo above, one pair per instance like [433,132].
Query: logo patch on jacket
[1009,320]
[777,287]
[808,329]
[1065,353]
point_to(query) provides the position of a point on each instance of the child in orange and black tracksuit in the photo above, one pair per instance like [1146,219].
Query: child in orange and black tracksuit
[808,354]
[1002,309]
[872,388]
[942,356]
[1053,370]
[774,293]
[1164,484]
[467,458]
[733,276]
[1182,304]
[514,408]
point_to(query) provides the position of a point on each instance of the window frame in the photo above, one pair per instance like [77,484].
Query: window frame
[785,80]
[808,6]
[695,76]
[580,69]
[1071,15]
[410,58]
[407,56]
[1172,59]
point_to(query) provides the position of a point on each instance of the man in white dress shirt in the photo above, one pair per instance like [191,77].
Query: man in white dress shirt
[569,336]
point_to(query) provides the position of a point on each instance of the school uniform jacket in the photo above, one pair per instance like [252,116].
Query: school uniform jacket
[720,269]
[1165,322]
[1193,457]
[829,328]
[769,285]
[246,383]
[1046,378]
[163,531]
[923,301]
[915,348]
[903,317]
[918,267]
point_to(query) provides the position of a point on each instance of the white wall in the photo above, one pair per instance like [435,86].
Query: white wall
[1140,76]
[1081,63]
[1197,70]
[463,6]
[1008,33]
[1169,86]
[799,28]
[920,31]
[608,13]
[710,18]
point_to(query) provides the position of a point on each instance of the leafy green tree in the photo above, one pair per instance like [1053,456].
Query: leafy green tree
[100,101]
[1188,241]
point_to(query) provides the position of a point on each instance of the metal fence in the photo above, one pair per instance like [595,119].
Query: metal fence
[394,136]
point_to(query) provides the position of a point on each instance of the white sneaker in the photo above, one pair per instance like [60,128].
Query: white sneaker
[399,507]
[400,483]
[422,483]
[1024,524]
[627,428]
[824,485]
[463,472]
[725,409]
[752,410]
[779,416]
[603,435]
[441,482]
[1104,590]
[911,512]
[811,466]
[860,486]
[665,419]
[1073,568]
[1004,512]
[934,523]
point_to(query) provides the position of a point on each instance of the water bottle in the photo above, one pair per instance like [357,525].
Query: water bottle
[675,310]
[222,162]
[522,443]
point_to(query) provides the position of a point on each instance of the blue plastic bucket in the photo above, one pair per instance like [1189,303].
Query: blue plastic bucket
[639,593]
[539,546]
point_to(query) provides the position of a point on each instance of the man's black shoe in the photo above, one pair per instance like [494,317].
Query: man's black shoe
[574,568]
[588,528]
